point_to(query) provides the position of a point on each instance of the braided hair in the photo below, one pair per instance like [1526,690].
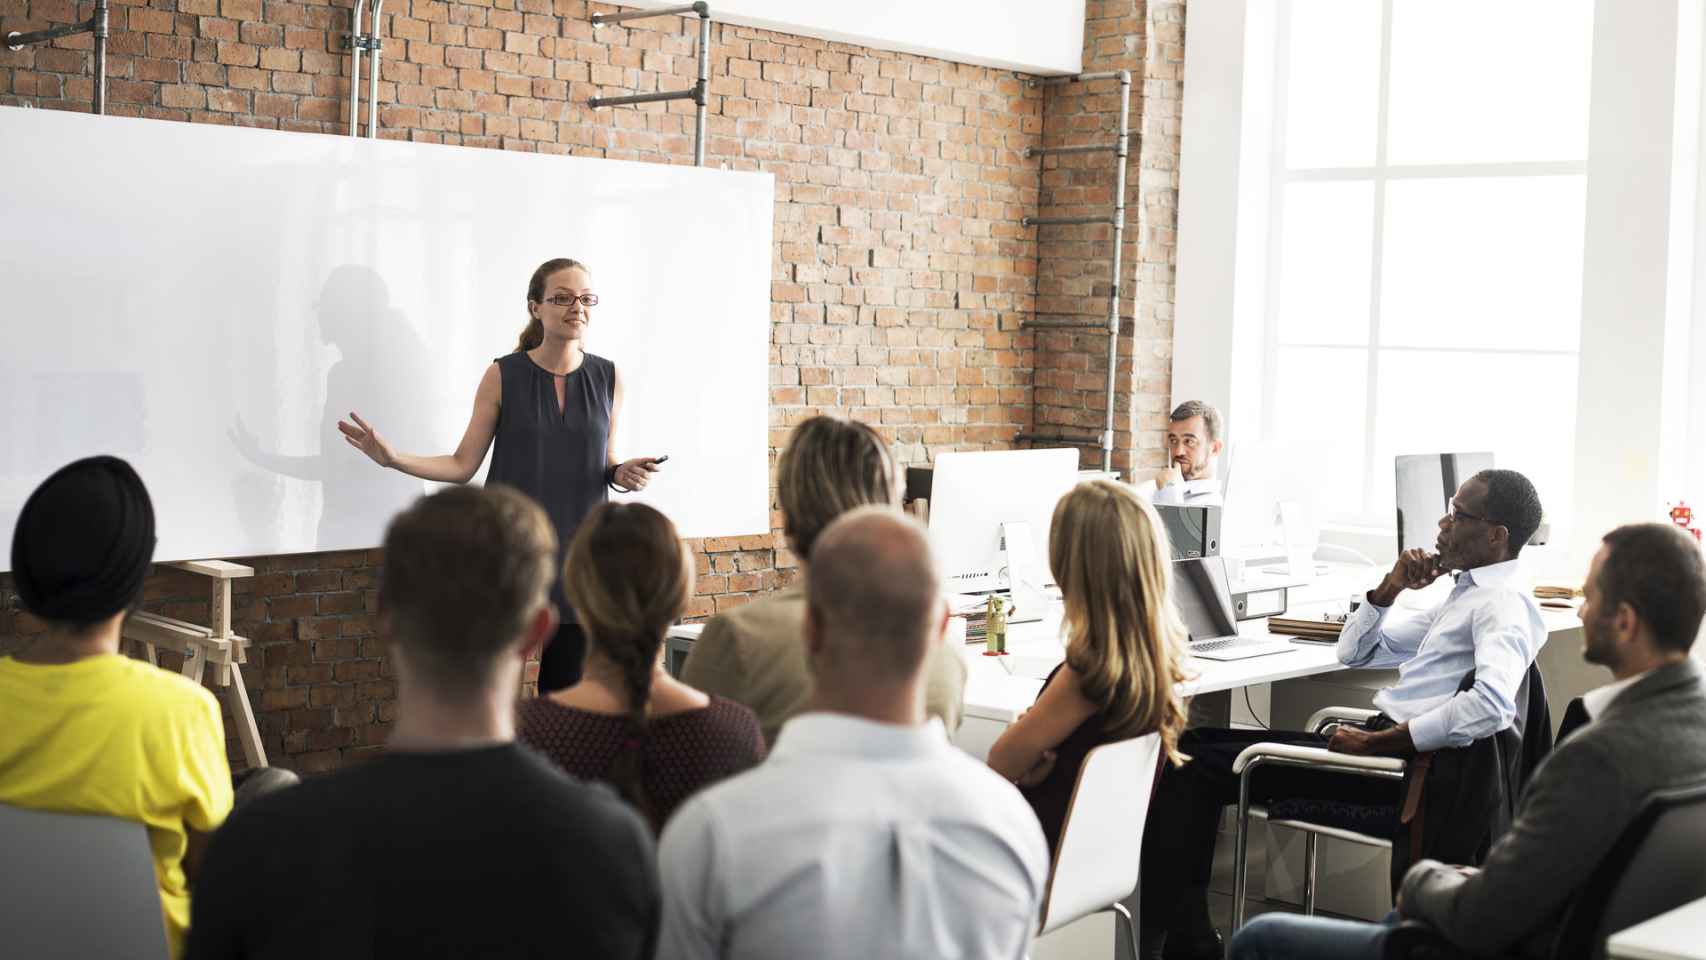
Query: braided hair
[627,577]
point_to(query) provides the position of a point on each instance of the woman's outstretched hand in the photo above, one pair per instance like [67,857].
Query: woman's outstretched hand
[367,440]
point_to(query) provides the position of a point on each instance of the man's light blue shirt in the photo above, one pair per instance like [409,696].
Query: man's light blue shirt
[1488,624]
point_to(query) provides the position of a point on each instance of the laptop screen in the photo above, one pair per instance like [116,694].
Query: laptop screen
[1202,597]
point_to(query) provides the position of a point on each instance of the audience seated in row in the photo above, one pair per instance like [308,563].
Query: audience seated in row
[865,833]
[1487,625]
[1646,593]
[628,722]
[456,841]
[1123,639]
[752,654]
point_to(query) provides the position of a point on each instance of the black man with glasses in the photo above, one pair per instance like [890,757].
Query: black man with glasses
[1488,624]
[547,411]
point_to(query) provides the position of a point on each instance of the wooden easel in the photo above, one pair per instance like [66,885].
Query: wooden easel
[203,647]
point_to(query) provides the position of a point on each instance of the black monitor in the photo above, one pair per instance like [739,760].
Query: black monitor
[1202,597]
[1191,531]
[1425,484]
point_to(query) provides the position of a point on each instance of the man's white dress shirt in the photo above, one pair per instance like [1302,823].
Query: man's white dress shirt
[1596,700]
[1488,624]
[1191,493]
[855,840]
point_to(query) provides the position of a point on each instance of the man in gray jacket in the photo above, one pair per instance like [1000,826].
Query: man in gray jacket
[1646,594]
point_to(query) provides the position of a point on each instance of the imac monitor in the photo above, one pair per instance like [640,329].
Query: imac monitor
[1425,484]
[973,493]
[1191,531]
[1203,599]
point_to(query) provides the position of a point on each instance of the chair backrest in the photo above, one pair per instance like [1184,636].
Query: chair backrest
[1656,866]
[74,885]
[1101,842]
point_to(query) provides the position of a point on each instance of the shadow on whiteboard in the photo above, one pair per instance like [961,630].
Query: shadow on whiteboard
[379,357]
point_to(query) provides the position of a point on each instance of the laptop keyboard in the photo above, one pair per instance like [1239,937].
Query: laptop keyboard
[1220,644]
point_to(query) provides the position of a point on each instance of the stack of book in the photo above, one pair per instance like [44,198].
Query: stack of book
[1318,629]
[1555,593]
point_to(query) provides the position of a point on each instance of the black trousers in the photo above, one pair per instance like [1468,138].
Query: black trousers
[560,661]
[1179,837]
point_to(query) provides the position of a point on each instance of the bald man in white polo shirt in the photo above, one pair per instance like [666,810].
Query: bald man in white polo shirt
[865,833]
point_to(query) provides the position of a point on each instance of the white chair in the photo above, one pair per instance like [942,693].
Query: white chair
[75,886]
[1101,842]
[1258,755]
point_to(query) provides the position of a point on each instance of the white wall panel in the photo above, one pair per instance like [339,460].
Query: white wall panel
[207,302]
[1031,36]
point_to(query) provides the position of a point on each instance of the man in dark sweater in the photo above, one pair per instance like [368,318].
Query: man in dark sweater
[1646,594]
[456,841]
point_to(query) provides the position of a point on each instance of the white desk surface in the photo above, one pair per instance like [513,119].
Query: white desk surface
[1669,936]
[994,692]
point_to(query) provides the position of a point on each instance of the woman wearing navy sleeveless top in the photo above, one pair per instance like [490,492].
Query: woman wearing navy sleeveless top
[551,409]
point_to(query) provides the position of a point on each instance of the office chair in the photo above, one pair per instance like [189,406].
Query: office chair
[1655,867]
[1101,843]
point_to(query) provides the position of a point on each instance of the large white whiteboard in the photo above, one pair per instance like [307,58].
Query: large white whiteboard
[1030,36]
[207,302]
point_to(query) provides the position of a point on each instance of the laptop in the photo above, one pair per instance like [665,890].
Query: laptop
[1204,602]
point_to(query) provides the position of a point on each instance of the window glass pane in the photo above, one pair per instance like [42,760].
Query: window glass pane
[1484,81]
[1320,401]
[1522,408]
[1490,262]
[1325,261]
[1332,83]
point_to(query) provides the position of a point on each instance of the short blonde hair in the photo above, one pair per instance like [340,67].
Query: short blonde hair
[830,466]
[1124,638]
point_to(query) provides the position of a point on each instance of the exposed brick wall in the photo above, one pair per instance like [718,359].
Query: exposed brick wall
[901,272]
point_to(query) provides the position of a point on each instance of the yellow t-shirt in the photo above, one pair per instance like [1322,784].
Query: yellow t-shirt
[115,736]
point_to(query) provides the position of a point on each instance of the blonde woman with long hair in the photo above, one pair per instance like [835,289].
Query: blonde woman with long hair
[1124,641]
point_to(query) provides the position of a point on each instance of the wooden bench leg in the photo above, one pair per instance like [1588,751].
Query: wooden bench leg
[237,696]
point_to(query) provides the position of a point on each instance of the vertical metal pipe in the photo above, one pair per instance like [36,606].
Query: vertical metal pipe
[1122,150]
[373,71]
[355,68]
[704,89]
[101,33]
[1311,857]
[1241,845]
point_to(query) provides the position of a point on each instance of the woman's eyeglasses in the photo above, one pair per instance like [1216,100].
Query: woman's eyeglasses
[563,300]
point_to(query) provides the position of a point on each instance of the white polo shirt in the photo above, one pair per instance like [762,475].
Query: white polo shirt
[854,839]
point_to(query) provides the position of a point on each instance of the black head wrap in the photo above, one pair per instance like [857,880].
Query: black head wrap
[84,541]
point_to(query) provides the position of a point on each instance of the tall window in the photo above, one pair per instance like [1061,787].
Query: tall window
[1425,238]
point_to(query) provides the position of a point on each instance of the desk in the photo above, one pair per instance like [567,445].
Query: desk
[1669,936]
[994,696]
[994,693]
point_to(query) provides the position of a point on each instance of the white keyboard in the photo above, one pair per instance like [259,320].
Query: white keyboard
[1237,648]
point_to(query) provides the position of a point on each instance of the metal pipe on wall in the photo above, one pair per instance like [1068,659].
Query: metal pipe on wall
[1121,149]
[374,46]
[97,25]
[702,89]
[356,44]
[699,94]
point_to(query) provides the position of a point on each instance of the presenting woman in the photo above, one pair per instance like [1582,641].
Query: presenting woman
[551,407]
